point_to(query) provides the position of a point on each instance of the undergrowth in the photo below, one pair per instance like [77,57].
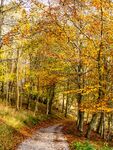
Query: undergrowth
[88,146]
[12,121]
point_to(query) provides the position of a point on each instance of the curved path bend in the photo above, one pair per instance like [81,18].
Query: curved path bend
[50,138]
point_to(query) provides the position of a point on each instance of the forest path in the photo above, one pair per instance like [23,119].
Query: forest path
[50,138]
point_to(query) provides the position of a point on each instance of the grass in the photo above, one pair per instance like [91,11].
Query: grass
[13,122]
[88,146]
[82,146]
[6,137]
[76,139]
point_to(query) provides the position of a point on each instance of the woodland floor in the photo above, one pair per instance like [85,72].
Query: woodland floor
[43,131]
[56,135]
[57,132]
[50,138]
[17,127]
[73,135]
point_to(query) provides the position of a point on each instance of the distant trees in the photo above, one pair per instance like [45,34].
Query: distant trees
[53,51]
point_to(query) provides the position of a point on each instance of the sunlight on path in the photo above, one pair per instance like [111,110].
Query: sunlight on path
[49,138]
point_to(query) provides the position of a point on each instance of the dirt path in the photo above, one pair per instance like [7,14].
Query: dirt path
[50,138]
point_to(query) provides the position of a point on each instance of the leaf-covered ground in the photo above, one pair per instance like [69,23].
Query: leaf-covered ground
[50,138]
[16,126]
[73,136]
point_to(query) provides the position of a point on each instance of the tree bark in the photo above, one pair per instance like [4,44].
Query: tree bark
[100,90]
[50,99]
[67,100]
[1,21]
[36,107]
[17,83]
[63,99]
[80,121]
[91,125]
[101,125]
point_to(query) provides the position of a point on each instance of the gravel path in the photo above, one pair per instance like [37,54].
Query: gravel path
[50,138]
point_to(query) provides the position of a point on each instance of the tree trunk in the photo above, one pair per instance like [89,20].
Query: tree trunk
[50,99]
[28,102]
[101,125]
[7,93]
[1,21]
[63,99]
[80,120]
[91,125]
[17,82]
[67,100]
[100,91]
[87,117]
[47,110]
[30,80]
[2,90]
[21,97]
[36,107]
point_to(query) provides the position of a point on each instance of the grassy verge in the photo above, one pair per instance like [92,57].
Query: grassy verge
[15,126]
[78,141]
[88,146]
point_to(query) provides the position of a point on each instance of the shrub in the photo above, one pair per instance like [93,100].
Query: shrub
[82,146]
[31,120]
[106,147]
